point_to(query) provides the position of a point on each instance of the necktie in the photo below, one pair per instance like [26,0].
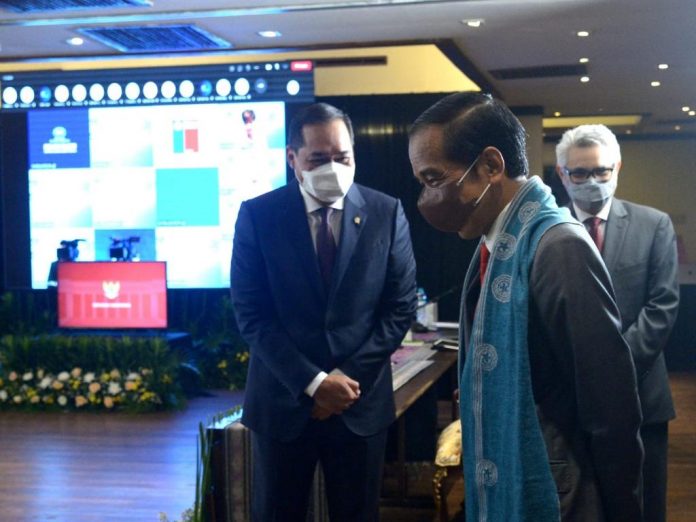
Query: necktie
[485,254]
[593,227]
[326,246]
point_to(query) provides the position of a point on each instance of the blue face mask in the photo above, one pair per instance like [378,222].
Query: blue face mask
[591,196]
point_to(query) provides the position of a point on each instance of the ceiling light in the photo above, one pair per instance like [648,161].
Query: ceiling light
[655,84]
[692,113]
[583,34]
[270,34]
[556,114]
[677,127]
[584,60]
[663,66]
[473,22]
[615,120]
[585,79]
[629,131]
[686,108]
[75,40]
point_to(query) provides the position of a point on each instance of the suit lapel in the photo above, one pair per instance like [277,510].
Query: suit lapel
[614,233]
[298,240]
[352,224]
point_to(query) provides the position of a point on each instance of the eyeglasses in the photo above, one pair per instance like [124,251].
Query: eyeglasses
[582,175]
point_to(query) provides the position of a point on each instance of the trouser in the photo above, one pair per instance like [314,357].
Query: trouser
[283,473]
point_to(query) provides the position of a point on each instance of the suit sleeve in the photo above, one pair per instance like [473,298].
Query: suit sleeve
[648,335]
[571,290]
[256,313]
[396,309]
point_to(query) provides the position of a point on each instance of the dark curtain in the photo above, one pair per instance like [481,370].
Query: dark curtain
[381,125]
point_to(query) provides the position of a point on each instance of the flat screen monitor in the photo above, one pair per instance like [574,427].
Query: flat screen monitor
[112,295]
[150,164]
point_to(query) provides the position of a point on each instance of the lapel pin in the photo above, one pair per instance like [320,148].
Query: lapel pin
[356,220]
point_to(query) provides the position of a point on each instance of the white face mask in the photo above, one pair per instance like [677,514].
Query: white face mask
[328,182]
[591,196]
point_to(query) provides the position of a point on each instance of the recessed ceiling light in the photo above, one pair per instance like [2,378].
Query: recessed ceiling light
[655,84]
[629,131]
[692,113]
[663,66]
[556,114]
[473,22]
[583,34]
[584,60]
[686,108]
[585,79]
[677,127]
[269,34]
[75,40]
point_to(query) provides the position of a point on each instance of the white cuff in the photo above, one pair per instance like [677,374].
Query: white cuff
[312,387]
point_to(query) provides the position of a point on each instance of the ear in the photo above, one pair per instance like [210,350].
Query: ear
[618,167]
[559,172]
[291,157]
[492,164]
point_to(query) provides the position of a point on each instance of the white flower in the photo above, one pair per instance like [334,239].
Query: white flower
[17,399]
[28,376]
[133,376]
[13,376]
[62,400]
[3,395]
[63,376]
[45,383]
[40,373]
[89,377]
[114,388]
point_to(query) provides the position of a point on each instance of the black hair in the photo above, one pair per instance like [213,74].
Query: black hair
[473,121]
[314,114]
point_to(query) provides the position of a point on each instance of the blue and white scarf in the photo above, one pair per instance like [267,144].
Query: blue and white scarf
[506,468]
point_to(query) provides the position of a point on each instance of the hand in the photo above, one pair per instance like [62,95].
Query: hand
[320,413]
[336,393]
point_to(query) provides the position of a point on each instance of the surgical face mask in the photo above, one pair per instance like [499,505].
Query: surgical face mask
[442,208]
[591,196]
[328,182]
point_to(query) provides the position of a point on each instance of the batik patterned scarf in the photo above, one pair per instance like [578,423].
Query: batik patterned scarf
[508,477]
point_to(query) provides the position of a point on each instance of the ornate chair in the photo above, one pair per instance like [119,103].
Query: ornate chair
[448,467]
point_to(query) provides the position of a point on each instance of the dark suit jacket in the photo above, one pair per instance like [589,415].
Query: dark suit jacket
[295,328]
[583,379]
[640,251]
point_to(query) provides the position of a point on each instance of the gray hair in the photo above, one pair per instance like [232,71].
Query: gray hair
[587,136]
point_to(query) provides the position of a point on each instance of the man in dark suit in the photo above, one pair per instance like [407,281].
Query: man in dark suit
[549,406]
[323,288]
[639,248]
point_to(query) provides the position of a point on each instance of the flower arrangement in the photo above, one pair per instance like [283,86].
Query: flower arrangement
[87,373]
[81,390]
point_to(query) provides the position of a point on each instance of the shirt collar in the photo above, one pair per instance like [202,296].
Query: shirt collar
[492,235]
[603,214]
[312,204]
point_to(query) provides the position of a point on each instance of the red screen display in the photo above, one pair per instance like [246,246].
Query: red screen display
[112,294]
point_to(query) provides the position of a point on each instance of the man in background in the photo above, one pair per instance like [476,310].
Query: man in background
[549,406]
[639,248]
[323,288]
